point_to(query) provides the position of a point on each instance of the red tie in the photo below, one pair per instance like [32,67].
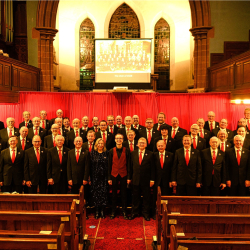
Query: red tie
[77,133]
[60,156]
[194,143]
[149,136]
[59,132]
[214,157]
[164,140]
[211,126]
[104,137]
[96,129]
[23,144]
[248,125]
[238,157]
[159,127]
[90,147]
[111,130]
[161,161]
[140,158]
[37,155]
[187,157]
[10,133]
[201,134]
[26,124]
[77,156]
[135,127]
[118,126]
[131,147]
[54,142]
[222,147]
[13,155]
[43,125]
[36,131]
[173,135]
[127,129]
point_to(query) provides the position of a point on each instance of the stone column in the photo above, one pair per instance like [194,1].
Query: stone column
[45,57]
[201,55]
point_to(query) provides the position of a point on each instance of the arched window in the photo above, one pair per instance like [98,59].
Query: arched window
[124,23]
[162,53]
[87,53]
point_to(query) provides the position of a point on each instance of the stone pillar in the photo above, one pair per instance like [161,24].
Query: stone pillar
[201,55]
[45,57]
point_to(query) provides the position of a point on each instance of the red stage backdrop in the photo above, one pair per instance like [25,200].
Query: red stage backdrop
[186,107]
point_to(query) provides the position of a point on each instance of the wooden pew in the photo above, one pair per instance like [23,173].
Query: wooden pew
[205,244]
[51,202]
[29,224]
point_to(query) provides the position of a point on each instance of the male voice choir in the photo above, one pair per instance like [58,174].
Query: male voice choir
[52,157]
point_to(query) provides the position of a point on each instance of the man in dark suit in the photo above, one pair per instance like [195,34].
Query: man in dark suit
[35,167]
[66,125]
[163,166]
[77,131]
[77,166]
[247,117]
[111,127]
[131,143]
[57,166]
[108,138]
[89,144]
[238,168]
[213,169]
[27,122]
[59,114]
[161,120]
[136,124]
[118,120]
[11,167]
[223,126]
[246,142]
[50,140]
[24,142]
[1,125]
[44,123]
[143,178]
[85,123]
[187,169]
[203,133]
[7,132]
[211,123]
[170,142]
[37,130]
[176,132]
[149,133]
[95,122]
[224,144]
[118,169]
[197,142]
[128,126]
[242,123]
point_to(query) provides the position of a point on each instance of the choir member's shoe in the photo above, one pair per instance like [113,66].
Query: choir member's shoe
[146,217]
[112,216]
[102,214]
[154,217]
[97,214]
[133,216]
[125,216]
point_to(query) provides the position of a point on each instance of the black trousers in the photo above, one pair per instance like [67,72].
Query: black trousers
[210,191]
[123,189]
[238,190]
[186,190]
[75,188]
[42,188]
[61,187]
[137,191]
[13,188]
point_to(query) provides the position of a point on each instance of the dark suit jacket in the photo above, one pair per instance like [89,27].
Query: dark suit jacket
[229,132]
[47,125]
[206,126]
[115,130]
[140,127]
[183,174]
[156,126]
[34,171]
[110,140]
[207,135]
[4,137]
[219,168]
[42,134]
[92,128]
[201,143]
[22,124]
[238,174]
[54,167]
[124,133]
[70,137]
[163,174]
[144,173]
[48,142]
[1,125]
[11,171]
[155,134]
[78,171]
[228,145]
[178,136]
[27,145]
[126,144]
[170,147]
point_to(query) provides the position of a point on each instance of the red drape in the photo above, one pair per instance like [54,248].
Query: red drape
[187,107]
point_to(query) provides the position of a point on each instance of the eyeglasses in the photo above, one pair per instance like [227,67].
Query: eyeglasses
[119,138]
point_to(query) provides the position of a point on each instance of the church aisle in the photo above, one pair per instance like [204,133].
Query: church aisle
[120,234]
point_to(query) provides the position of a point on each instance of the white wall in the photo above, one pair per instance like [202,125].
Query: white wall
[71,14]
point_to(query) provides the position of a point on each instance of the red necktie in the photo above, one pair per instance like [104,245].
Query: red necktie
[161,161]
[140,158]
[187,157]
[37,155]
[13,156]
[159,127]
[96,129]
[201,134]
[43,126]
[164,140]
[90,147]
[111,130]
[77,133]
[60,156]
[222,147]
[118,126]
[211,126]
[26,124]
[149,136]
[54,142]
[127,129]
[194,143]
[104,137]
[10,133]
[135,127]
[23,144]
[131,147]
[248,125]
[238,157]
[59,132]
[173,135]
[36,131]
[77,156]
[214,157]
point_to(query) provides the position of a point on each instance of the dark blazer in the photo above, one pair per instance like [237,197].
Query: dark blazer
[34,171]
[246,143]
[1,125]
[4,137]
[70,137]
[42,134]
[54,167]
[238,174]
[155,127]
[228,145]
[219,168]
[92,128]
[27,145]
[124,133]
[144,173]
[110,140]
[170,147]
[163,174]
[207,135]
[201,144]
[178,136]
[155,134]
[11,171]
[206,126]
[115,130]
[126,144]
[229,132]
[47,125]
[183,174]
[48,142]
[140,127]
[22,124]
[78,171]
